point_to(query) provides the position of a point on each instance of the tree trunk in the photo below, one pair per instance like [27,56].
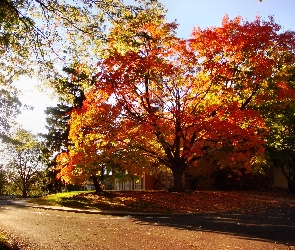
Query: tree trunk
[24,194]
[290,176]
[291,183]
[178,184]
[97,186]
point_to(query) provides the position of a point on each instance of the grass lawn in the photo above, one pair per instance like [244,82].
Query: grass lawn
[167,202]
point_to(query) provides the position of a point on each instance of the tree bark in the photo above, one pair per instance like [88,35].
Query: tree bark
[290,176]
[97,186]
[24,194]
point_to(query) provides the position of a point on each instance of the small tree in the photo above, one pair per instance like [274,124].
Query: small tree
[22,161]
[281,146]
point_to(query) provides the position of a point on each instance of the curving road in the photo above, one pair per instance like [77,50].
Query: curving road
[41,229]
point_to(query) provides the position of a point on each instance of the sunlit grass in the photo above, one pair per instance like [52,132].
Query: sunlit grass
[58,199]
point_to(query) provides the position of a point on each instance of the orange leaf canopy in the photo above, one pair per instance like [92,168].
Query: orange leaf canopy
[173,102]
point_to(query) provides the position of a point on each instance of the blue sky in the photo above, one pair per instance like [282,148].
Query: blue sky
[208,13]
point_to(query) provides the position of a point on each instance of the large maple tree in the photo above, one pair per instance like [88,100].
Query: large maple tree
[164,101]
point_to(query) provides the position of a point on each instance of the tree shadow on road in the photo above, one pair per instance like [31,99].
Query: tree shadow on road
[272,225]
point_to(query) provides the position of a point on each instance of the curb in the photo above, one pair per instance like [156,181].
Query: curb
[24,203]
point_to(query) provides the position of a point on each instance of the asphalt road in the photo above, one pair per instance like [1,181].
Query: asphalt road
[33,228]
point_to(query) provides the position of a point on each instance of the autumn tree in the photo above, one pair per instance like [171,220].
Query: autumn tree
[38,36]
[175,102]
[145,11]
[56,141]
[278,112]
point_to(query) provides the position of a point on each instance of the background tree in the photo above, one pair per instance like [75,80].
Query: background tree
[278,112]
[9,108]
[281,146]
[62,32]
[3,180]
[23,161]
[38,36]
[18,34]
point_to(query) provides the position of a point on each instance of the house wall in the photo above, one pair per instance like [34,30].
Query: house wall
[163,181]
[144,183]
[127,185]
[148,182]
